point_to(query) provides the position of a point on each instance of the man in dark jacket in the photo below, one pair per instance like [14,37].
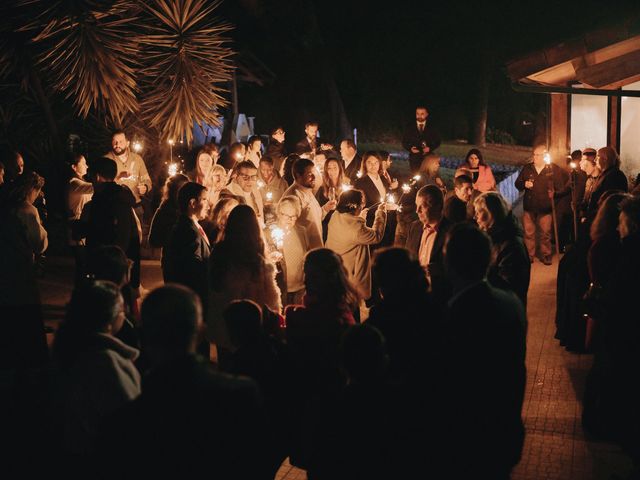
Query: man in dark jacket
[426,238]
[420,139]
[485,361]
[539,179]
[110,218]
[276,149]
[186,257]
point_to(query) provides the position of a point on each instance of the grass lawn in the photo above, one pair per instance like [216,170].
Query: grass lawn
[492,153]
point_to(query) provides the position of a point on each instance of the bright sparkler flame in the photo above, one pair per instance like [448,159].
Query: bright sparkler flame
[260,184]
[173,169]
[171,142]
[277,234]
[137,146]
[346,187]
[547,158]
[406,188]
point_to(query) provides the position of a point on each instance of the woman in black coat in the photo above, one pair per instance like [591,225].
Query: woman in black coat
[510,267]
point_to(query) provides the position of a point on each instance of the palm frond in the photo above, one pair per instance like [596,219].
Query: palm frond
[90,52]
[186,58]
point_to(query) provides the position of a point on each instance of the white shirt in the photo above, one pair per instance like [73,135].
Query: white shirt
[379,185]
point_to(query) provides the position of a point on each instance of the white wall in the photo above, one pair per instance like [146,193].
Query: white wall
[630,132]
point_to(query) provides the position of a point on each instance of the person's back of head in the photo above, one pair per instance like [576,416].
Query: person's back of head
[171,322]
[109,262]
[467,254]
[105,169]
[244,322]
[350,201]
[189,191]
[326,280]
[398,277]
[172,187]
[608,158]
[96,307]
[364,355]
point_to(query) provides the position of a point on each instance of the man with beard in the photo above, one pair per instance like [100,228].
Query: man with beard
[132,171]
[312,213]
[420,139]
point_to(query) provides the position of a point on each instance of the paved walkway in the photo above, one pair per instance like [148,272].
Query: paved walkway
[555,445]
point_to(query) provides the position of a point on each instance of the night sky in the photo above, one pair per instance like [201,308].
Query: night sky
[386,58]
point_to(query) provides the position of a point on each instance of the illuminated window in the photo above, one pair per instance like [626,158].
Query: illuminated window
[630,131]
[588,121]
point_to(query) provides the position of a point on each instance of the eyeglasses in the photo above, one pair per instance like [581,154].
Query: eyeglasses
[248,177]
[279,132]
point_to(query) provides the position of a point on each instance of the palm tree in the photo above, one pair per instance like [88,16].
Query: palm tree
[160,61]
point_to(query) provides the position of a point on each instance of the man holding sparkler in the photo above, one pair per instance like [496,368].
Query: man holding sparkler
[132,171]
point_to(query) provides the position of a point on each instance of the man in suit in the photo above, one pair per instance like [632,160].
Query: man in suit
[420,139]
[187,251]
[485,360]
[426,237]
[351,159]
[309,143]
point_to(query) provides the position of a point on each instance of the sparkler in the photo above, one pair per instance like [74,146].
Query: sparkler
[173,169]
[359,174]
[277,234]
[346,187]
[137,146]
[269,196]
[260,184]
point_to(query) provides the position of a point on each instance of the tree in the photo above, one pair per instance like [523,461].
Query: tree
[158,60]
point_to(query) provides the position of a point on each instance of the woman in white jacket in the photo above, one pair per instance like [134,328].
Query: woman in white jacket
[350,237]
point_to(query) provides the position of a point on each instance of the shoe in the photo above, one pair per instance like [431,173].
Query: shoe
[546,260]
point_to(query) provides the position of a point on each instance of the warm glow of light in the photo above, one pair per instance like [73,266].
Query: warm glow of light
[406,188]
[171,142]
[346,187]
[277,234]
[573,165]
[173,169]
[137,146]
[547,158]
[269,196]
[391,198]
[260,184]
[417,177]
[359,174]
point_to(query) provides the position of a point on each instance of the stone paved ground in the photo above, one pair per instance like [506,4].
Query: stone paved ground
[555,445]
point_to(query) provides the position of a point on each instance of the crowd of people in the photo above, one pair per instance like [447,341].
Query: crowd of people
[316,306]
